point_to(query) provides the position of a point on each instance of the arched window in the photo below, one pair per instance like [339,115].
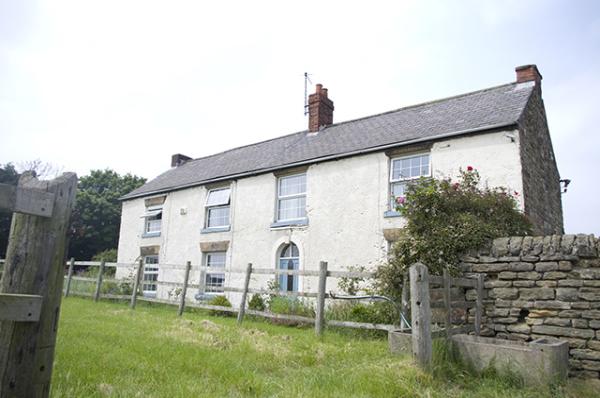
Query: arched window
[289,259]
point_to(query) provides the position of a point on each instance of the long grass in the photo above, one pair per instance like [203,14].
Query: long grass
[106,350]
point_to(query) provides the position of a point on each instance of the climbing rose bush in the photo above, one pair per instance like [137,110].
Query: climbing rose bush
[446,219]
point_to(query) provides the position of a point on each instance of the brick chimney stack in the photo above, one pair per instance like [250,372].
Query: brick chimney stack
[320,109]
[528,73]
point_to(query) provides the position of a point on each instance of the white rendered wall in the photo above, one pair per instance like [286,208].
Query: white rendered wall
[346,200]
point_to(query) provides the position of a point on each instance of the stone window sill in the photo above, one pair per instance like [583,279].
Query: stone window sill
[391,214]
[215,229]
[291,223]
[150,234]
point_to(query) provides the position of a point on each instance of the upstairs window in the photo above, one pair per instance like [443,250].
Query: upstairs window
[152,220]
[215,275]
[291,197]
[217,207]
[405,169]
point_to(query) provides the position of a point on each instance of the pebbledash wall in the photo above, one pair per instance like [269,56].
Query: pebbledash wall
[547,286]
[346,201]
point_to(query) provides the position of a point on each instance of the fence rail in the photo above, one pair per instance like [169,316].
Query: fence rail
[99,280]
[420,294]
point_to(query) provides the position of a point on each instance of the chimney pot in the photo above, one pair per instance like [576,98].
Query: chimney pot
[320,109]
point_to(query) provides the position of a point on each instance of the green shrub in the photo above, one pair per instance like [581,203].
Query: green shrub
[257,303]
[377,312]
[353,285]
[291,306]
[120,288]
[222,302]
[108,255]
[445,220]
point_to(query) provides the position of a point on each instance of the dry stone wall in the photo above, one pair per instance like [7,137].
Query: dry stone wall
[546,286]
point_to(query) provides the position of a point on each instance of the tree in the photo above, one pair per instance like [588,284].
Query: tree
[96,218]
[446,219]
[8,175]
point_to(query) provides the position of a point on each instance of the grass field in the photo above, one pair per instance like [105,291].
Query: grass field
[106,350]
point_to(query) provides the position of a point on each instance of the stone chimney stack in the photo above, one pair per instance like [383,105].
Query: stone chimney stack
[320,109]
[178,159]
[528,73]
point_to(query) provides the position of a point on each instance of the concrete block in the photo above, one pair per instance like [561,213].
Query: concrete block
[400,342]
[539,362]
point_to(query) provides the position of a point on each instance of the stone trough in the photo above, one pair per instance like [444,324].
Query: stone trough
[538,362]
[541,361]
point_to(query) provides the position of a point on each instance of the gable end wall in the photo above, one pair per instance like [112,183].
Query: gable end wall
[541,186]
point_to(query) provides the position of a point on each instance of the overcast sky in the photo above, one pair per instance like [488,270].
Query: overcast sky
[125,84]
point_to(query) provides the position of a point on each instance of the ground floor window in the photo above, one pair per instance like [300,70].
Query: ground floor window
[289,259]
[215,274]
[150,275]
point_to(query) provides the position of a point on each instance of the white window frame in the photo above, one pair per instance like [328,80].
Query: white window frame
[218,206]
[405,180]
[150,271]
[149,219]
[214,270]
[293,196]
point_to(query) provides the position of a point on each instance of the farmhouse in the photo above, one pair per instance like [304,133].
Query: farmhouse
[327,193]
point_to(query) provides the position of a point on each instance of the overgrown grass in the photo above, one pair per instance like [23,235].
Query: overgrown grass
[106,350]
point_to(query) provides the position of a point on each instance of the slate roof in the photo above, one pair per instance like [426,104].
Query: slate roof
[467,113]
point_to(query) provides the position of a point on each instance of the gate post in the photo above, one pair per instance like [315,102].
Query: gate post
[186,278]
[242,310]
[69,276]
[136,283]
[320,315]
[421,315]
[35,261]
[99,280]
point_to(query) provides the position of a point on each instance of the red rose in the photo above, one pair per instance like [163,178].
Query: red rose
[469,168]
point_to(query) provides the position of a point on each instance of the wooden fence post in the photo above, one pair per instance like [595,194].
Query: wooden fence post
[320,315]
[99,280]
[35,264]
[186,278]
[479,304]
[136,283]
[447,284]
[421,315]
[242,310]
[69,276]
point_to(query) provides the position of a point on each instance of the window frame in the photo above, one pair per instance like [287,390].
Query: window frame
[150,282]
[218,270]
[208,208]
[405,180]
[280,197]
[148,219]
